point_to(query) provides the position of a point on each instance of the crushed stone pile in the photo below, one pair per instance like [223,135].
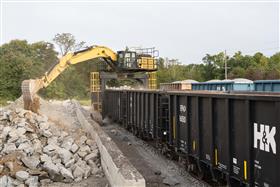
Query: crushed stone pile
[34,151]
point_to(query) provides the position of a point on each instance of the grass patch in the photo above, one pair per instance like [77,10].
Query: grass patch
[85,102]
[3,102]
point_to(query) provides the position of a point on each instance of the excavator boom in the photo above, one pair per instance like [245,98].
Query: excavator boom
[121,61]
[32,86]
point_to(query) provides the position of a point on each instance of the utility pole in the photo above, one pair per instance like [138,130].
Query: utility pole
[225,59]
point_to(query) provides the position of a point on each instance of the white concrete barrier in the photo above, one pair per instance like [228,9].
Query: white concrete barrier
[118,170]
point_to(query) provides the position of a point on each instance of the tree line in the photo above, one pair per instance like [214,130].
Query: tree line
[20,60]
[253,67]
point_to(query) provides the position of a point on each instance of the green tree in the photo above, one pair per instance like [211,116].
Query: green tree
[67,42]
[209,70]
[19,61]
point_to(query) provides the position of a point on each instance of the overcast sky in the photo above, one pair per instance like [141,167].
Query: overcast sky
[186,31]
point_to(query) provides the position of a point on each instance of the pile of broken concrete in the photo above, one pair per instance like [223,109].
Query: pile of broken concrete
[35,151]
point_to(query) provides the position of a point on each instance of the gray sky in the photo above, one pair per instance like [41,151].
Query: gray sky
[186,31]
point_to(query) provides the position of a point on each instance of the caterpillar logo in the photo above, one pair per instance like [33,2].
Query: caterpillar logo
[264,137]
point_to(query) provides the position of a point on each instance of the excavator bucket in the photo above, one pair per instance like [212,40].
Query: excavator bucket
[29,89]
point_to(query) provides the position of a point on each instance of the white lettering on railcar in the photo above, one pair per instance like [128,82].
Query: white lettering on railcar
[182,119]
[236,170]
[183,108]
[264,137]
[234,160]
[222,166]
[207,156]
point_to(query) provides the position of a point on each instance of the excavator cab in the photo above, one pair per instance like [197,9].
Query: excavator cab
[137,60]
[127,60]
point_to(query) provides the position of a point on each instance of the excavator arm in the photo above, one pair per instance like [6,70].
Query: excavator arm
[32,86]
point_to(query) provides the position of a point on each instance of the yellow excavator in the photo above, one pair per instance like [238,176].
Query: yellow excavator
[126,62]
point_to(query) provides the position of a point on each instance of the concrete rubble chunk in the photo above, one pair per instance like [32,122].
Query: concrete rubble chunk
[78,172]
[92,156]
[10,166]
[28,128]
[13,117]
[82,140]
[57,161]
[53,140]
[31,162]
[65,155]
[9,148]
[43,175]
[22,175]
[82,154]
[23,139]
[41,118]
[30,117]
[90,142]
[44,125]
[10,182]
[96,171]
[91,163]
[16,182]
[46,133]
[50,149]
[67,143]
[44,182]
[69,163]
[74,148]
[85,148]
[3,181]
[13,136]
[1,168]
[33,136]
[21,124]
[29,150]
[81,163]
[45,158]
[62,135]
[87,171]
[20,131]
[5,132]
[78,179]
[171,181]
[44,152]
[24,146]
[51,168]
[22,113]
[76,157]
[66,173]
[32,181]
[37,146]
[4,116]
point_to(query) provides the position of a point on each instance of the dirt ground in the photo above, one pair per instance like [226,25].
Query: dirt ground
[155,168]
